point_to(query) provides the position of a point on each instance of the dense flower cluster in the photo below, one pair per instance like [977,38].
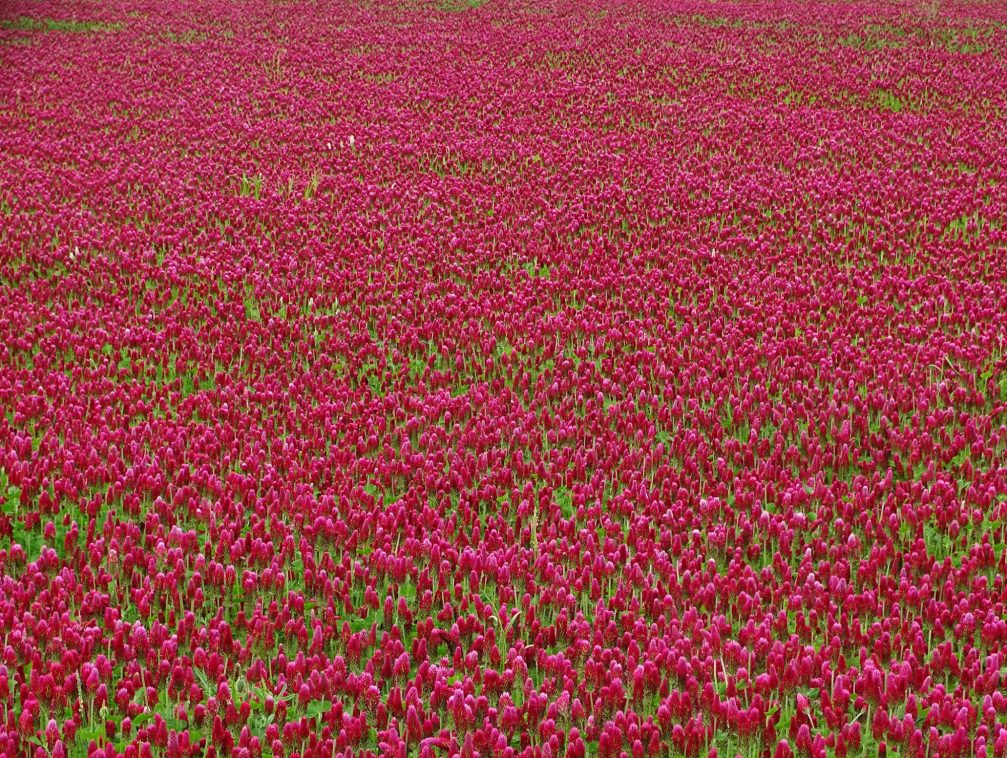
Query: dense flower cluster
[505,378]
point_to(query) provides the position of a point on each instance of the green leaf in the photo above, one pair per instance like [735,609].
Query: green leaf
[316,708]
[142,718]
[364,624]
[565,502]
[408,591]
[12,500]
[92,732]
[204,682]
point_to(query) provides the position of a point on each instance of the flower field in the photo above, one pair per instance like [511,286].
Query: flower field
[503,378]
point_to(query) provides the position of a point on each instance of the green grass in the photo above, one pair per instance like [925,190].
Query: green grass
[58,25]
[888,100]
[535,271]
[795,98]
[455,6]
[870,43]
[966,227]
[250,186]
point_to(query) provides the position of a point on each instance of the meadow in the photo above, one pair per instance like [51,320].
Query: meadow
[503,378]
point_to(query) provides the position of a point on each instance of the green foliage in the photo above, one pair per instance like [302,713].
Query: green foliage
[888,100]
[57,25]
[455,6]
[250,186]
[565,502]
